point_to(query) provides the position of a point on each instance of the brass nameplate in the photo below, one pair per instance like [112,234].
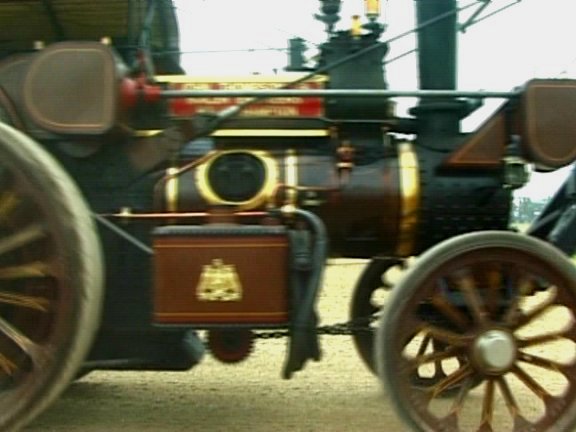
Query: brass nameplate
[219,282]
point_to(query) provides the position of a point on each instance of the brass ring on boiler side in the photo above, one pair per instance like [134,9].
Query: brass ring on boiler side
[409,199]
[291,178]
[262,197]
[171,190]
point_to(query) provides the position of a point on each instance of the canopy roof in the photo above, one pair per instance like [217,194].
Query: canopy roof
[22,22]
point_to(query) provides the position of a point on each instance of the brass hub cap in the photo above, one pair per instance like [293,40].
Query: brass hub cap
[495,351]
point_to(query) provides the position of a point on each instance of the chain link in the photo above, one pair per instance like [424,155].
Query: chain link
[340,329]
[277,334]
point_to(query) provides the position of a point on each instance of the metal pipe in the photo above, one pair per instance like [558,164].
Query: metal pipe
[173,94]
[126,236]
[180,215]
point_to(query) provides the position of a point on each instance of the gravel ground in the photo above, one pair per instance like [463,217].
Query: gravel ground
[337,394]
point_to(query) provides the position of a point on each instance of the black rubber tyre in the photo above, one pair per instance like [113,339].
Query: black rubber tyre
[506,283]
[50,279]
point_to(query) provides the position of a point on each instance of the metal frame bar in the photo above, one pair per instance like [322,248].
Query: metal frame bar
[171,94]
[53,17]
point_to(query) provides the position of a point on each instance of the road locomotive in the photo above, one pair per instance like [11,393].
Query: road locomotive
[148,215]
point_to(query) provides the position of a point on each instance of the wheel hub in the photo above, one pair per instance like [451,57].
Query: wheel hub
[495,351]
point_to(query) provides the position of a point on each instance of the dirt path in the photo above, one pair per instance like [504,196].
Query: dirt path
[332,396]
[336,394]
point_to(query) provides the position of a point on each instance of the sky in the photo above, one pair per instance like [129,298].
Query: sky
[533,38]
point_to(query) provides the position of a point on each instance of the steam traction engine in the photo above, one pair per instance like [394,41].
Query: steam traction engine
[213,204]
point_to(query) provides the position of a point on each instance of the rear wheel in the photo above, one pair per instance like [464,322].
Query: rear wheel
[368,299]
[50,279]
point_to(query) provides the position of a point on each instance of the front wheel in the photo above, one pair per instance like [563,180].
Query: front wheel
[503,306]
[50,279]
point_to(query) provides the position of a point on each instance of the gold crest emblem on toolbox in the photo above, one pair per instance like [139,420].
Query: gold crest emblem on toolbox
[219,282]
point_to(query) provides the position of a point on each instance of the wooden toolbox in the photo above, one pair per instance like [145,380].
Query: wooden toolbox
[220,274]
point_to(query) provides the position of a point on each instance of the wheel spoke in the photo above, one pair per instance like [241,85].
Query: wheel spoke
[447,336]
[520,423]
[536,388]
[21,238]
[487,407]
[467,286]
[542,362]
[7,366]
[449,311]
[461,397]
[525,318]
[432,360]
[33,350]
[451,380]
[522,285]
[508,397]
[32,302]
[546,338]
[495,286]
[36,269]
[423,345]
[451,420]
[437,356]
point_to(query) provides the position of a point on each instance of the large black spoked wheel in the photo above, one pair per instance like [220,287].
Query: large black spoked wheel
[368,300]
[50,279]
[503,307]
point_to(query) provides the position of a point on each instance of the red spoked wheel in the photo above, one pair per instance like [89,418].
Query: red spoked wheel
[502,305]
[50,279]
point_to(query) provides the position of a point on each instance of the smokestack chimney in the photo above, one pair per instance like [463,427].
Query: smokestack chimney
[439,118]
[437,44]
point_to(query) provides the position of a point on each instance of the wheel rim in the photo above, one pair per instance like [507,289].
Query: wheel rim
[367,303]
[50,277]
[366,306]
[503,306]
